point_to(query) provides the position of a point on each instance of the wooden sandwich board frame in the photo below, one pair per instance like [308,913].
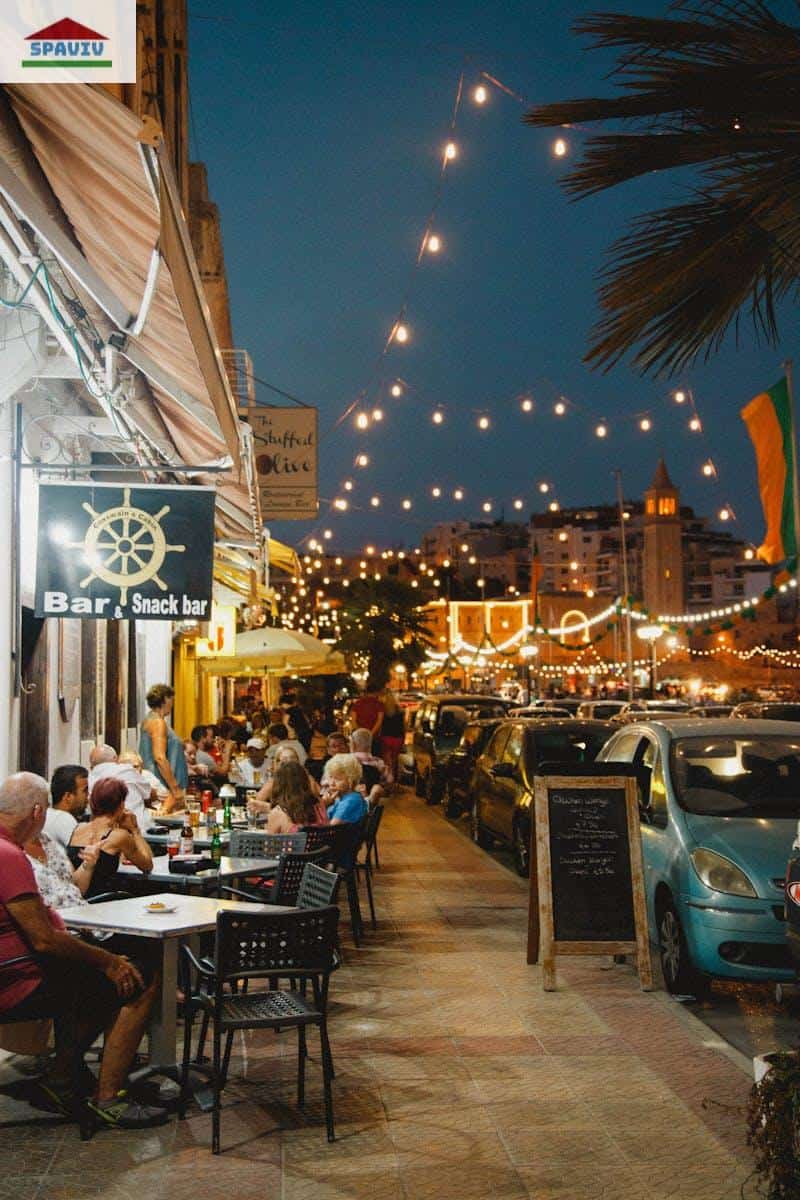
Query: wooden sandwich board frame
[541,931]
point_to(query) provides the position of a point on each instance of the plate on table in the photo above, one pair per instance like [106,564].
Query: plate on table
[156,910]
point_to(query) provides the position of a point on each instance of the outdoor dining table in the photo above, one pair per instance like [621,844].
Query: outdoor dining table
[229,870]
[182,917]
[202,841]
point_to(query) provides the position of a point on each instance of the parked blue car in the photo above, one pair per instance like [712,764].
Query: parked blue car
[720,801]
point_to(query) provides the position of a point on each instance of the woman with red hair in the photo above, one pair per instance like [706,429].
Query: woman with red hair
[117,833]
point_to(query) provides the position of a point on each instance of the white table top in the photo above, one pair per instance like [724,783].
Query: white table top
[202,840]
[229,868]
[193,914]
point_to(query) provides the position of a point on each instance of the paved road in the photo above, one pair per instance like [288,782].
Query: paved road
[747,1016]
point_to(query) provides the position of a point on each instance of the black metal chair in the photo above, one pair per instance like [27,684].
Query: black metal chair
[294,946]
[318,887]
[371,824]
[287,880]
[316,836]
[80,1111]
[251,843]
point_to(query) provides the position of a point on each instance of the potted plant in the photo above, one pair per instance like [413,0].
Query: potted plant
[773,1126]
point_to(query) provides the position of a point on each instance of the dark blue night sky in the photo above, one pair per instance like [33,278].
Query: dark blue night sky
[322,127]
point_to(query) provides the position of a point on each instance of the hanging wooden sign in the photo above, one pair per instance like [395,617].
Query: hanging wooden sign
[286,450]
[587,882]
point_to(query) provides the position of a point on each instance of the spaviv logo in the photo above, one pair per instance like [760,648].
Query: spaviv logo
[67,43]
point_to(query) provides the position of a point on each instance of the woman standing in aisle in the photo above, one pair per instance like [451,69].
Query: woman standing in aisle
[161,748]
[393,731]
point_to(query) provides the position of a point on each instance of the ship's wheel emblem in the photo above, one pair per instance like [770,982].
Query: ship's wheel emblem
[125,546]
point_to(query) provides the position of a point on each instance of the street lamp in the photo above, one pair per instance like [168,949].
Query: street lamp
[528,652]
[651,634]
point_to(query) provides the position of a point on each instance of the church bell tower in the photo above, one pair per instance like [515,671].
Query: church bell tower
[663,551]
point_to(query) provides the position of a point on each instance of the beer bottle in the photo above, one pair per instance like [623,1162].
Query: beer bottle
[216,847]
[187,838]
[227,820]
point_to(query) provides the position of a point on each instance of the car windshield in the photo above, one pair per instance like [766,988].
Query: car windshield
[453,717]
[564,745]
[737,776]
[601,712]
[782,712]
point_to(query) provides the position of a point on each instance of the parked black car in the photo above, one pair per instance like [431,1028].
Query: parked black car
[457,771]
[502,784]
[438,726]
[792,907]
[767,710]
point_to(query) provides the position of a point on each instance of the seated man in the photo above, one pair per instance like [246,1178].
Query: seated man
[376,775]
[105,764]
[203,738]
[69,796]
[46,972]
[336,743]
[252,771]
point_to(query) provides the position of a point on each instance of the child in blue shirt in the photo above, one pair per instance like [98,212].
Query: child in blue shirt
[340,778]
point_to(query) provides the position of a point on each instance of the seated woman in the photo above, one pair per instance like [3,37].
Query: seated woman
[117,832]
[340,781]
[284,754]
[293,803]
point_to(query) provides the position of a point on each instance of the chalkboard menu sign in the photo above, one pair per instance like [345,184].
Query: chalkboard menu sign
[590,865]
[587,883]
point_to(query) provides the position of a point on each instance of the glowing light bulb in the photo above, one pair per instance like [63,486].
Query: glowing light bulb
[559,147]
[679,396]
[348,485]
[451,151]
[601,430]
[375,501]
[724,514]
[645,424]
[436,492]
[518,505]
[749,553]
[328,534]
[487,506]
[695,425]
[433,243]
[464,547]
[406,504]
[437,417]
[458,494]
[480,95]
[708,468]
[377,414]
[526,404]
[554,506]
[369,550]
[340,503]
[362,421]
[401,333]
[397,390]
[559,408]
[483,422]
[544,488]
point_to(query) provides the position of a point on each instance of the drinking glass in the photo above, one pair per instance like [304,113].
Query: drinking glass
[173,842]
[194,813]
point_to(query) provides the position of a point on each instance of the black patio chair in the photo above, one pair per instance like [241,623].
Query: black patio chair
[251,843]
[371,824]
[292,946]
[318,887]
[286,883]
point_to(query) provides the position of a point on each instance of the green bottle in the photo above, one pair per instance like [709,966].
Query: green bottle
[216,847]
[227,820]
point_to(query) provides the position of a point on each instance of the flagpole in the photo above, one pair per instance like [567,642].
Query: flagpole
[626,588]
[788,367]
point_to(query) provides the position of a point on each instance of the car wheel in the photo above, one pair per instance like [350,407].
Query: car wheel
[680,976]
[521,846]
[452,806]
[479,835]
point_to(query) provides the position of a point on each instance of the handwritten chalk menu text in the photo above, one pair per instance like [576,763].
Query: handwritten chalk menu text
[286,449]
[591,867]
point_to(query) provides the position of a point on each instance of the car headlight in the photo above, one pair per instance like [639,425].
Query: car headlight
[720,874]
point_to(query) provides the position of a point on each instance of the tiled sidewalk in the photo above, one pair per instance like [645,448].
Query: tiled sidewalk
[457,1076]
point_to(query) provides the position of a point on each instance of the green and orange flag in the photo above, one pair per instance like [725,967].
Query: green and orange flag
[768,418]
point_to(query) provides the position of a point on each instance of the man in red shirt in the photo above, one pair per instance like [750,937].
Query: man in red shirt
[368,711]
[46,972]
